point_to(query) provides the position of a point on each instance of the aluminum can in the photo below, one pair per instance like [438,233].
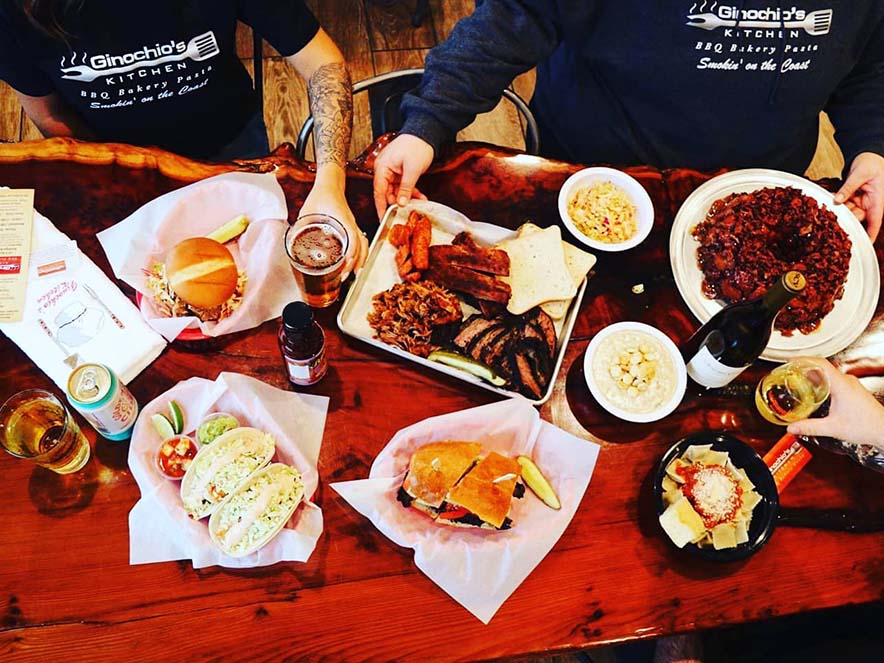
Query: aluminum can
[96,392]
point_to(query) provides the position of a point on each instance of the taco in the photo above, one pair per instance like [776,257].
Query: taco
[217,470]
[257,511]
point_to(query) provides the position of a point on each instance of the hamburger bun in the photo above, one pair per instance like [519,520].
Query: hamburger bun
[201,272]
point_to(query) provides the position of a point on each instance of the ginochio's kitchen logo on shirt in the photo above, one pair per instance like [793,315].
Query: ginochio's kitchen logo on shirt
[202,47]
[734,20]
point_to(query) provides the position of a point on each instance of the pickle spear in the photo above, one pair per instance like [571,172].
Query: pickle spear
[233,228]
[472,366]
[538,483]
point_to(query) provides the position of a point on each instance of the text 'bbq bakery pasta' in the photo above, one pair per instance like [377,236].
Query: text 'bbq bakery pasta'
[748,240]
[709,500]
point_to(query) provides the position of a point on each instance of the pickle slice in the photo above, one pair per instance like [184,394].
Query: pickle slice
[471,366]
[233,228]
[538,483]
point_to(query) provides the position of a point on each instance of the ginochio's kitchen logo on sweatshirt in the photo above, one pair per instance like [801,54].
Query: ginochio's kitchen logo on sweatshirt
[202,47]
[756,21]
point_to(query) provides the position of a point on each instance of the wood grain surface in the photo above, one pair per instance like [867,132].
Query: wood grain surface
[67,590]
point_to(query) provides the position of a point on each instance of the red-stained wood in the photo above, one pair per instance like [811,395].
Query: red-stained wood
[67,590]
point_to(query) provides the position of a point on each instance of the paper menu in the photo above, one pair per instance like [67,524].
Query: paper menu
[16,220]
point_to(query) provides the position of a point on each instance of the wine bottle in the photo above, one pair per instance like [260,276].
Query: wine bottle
[734,337]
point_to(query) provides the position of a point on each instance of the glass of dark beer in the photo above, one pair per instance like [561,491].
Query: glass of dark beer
[316,246]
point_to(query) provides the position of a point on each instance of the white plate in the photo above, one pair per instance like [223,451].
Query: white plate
[379,274]
[850,315]
[670,347]
[644,208]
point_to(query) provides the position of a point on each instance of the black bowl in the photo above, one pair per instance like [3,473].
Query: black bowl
[764,516]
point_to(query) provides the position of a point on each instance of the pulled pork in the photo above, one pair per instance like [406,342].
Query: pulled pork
[406,315]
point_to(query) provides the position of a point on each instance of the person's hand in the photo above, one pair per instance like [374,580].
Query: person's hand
[854,416]
[330,200]
[397,169]
[863,191]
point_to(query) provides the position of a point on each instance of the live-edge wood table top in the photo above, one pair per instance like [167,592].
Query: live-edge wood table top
[67,591]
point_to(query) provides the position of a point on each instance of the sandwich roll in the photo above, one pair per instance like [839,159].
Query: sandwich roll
[434,468]
[218,469]
[452,484]
[251,516]
[201,272]
[487,490]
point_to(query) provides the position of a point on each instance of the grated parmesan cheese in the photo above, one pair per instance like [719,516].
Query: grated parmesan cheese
[713,492]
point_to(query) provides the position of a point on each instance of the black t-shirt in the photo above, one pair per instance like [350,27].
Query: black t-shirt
[159,73]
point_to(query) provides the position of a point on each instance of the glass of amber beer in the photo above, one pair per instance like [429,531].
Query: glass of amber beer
[316,245]
[35,425]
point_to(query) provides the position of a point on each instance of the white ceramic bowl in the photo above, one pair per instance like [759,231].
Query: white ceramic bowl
[681,377]
[636,192]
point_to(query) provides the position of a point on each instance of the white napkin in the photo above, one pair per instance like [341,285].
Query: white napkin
[159,529]
[70,310]
[479,568]
[139,241]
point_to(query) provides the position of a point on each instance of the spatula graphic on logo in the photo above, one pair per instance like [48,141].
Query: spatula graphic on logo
[815,23]
[199,48]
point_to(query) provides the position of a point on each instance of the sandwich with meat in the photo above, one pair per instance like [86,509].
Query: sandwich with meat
[198,277]
[453,484]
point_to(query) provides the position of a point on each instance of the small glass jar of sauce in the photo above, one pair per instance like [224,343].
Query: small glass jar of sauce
[302,345]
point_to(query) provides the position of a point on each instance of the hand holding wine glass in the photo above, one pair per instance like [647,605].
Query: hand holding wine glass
[792,391]
[855,415]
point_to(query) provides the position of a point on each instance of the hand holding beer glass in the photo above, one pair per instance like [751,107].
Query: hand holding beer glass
[35,425]
[316,246]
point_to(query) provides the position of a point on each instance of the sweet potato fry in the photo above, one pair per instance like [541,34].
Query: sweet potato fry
[412,220]
[402,254]
[411,277]
[399,234]
[420,242]
[404,268]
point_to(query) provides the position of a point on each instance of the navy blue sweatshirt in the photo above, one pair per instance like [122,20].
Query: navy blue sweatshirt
[670,83]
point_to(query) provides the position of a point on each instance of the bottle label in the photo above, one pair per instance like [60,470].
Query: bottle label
[307,371]
[709,372]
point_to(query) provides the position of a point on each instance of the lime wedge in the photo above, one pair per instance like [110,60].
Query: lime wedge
[472,366]
[176,416]
[163,426]
[538,483]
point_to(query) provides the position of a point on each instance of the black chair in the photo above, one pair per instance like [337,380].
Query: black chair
[384,95]
[420,12]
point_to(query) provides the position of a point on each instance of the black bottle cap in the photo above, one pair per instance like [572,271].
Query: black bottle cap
[297,316]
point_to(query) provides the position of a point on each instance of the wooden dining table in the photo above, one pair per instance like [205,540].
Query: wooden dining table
[68,592]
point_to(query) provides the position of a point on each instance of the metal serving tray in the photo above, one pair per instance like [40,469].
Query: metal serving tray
[379,273]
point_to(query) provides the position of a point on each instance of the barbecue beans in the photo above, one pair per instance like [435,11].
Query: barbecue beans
[748,240]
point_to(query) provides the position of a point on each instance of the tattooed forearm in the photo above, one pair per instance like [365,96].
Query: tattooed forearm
[331,102]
